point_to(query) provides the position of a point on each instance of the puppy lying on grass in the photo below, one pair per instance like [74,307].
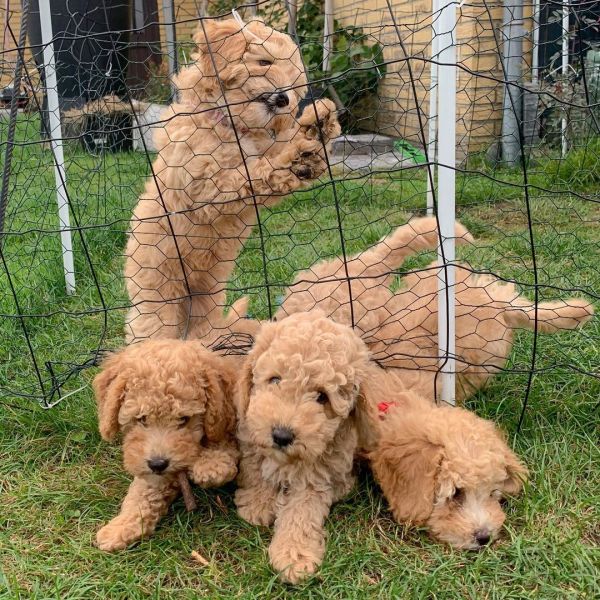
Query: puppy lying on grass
[173,402]
[443,468]
[301,407]
[401,328]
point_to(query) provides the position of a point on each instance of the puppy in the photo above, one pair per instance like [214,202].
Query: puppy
[444,468]
[401,328]
[231,145]
[301,409]
[173,401]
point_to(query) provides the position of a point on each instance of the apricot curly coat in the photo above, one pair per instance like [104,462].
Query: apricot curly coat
[173,402]
[444,468]
[401,328]
[231,145]
[301,411]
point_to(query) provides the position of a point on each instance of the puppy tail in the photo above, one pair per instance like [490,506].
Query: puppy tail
[417,235]
[551,316]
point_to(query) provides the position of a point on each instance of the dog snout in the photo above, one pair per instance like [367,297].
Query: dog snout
[276,100]
[482,537]
[158,464]
[281,99]
[282,436]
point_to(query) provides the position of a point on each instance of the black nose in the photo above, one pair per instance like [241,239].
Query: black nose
[158,464]
[282,436]
[483,537]
[281,100]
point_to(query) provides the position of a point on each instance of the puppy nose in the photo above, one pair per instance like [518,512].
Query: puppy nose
[158,464]
[281,99]
[483,537]
[282,436]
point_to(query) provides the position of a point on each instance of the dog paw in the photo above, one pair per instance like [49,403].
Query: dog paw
[293,566]
[309,162]
[252,508]
[213,475]
[319,121]
[111,538]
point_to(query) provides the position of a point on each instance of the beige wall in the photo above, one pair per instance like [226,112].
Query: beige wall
[479,100]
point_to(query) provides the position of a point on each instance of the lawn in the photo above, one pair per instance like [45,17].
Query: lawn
[59,482]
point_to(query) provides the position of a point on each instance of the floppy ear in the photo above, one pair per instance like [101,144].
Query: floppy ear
[516,473]
[219,418]
[244,387]
[366,417]
[109,388]
[219,43]
[406,465]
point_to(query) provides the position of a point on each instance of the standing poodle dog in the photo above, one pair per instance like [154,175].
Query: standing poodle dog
[444,468]
[173,401]
[230,146]
[401,328]
[300,406]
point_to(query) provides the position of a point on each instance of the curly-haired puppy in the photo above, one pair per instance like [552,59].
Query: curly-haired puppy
[401,328]
[300,408]
[231,145]
[444,468]
[173,401]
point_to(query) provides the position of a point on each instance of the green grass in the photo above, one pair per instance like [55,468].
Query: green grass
[59,482]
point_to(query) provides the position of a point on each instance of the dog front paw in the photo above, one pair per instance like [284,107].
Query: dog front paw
[293,564]
[309,162]
[256,508]
[319,121]
[213,473]
[113,537]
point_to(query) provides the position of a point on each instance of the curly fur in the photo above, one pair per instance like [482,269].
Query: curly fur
[172,400]
[225,149]
[401,328]
[446,469]
[305,374]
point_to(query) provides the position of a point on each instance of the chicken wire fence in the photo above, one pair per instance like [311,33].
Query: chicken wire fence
[483,109]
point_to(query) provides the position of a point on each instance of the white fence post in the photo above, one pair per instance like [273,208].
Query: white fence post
[57,145]
[433,88]
[446,195]
[565,69]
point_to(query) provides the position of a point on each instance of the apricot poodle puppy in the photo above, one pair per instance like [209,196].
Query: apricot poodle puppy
[231,145]
[173,401]
[300,409]
[401,328]
[444,468]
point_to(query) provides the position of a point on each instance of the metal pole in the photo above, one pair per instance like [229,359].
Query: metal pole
[446,195]
[565,70]
[170,36]
[327,35]
[433,86]
[535,42]
[513,59]
[57,145]
[292,9]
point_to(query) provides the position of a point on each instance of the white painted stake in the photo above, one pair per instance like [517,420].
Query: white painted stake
[535,51]
[565,68]
[169,21]
[446,194]
[433,87]
[327,34]
[57,145]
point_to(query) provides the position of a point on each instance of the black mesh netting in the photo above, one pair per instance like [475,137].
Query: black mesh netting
[245,183]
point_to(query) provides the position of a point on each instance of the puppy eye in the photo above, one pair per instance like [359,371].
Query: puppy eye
[275,380]
[143,420]
[263,62]
[182,422]
[459,495]
[322,398]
